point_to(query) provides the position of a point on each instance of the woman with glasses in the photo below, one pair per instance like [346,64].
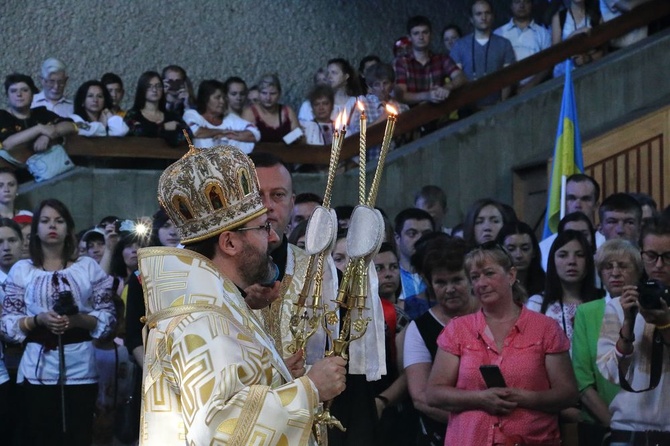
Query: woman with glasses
[93,111]
[527,377]
[149,118]
[442,268]
[212,125]
[619,265]
[25,131]
[570,280]
[57,303]
[633,348]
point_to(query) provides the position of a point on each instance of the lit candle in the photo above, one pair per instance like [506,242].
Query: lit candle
[334,156]
[361,154]
[386,143]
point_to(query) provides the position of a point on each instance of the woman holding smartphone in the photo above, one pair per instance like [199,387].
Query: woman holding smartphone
[149,117]
[57,303]
[529,348]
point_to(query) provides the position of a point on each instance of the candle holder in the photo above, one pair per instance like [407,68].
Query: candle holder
[363,242]
[319,240]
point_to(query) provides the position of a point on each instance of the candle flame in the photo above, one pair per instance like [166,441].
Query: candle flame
[391,110]
[344,119]
[338,120]
[360,105]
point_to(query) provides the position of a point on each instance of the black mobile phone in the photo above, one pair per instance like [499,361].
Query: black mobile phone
[492,376]
[174,85]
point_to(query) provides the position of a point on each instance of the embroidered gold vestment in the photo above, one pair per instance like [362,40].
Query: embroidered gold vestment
[211,375]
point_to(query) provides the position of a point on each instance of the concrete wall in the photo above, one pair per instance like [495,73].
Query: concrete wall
[92,194]
[210,38]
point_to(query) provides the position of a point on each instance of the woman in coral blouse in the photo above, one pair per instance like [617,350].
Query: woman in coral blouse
[530,350]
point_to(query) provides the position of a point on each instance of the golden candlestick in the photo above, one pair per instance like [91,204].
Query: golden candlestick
[386,143]
[362,154]
[301,324]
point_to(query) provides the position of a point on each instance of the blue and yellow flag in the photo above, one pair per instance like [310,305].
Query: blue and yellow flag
[568,158]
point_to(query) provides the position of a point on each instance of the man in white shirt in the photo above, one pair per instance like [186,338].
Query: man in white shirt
[527,38]
[582,193]
[54,80]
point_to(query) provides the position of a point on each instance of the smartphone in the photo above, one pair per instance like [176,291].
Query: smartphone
[174,85]
[492,376]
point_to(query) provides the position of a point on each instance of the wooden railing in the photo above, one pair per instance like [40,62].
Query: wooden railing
[134,147]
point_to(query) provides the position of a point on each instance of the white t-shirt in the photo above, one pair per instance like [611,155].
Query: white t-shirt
[231,122]
[415,350]
[115,127]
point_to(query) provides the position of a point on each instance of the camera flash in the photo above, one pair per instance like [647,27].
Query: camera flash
[141,229]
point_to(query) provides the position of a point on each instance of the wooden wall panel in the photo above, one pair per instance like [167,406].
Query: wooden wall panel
[632,158]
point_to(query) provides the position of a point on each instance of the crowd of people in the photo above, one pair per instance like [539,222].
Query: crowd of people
[569,341]
[491,336]
[232,112]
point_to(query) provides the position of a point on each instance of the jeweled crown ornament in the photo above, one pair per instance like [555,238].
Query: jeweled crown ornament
[210,191]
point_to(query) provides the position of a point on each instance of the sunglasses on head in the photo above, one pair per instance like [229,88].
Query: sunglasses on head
[493,246]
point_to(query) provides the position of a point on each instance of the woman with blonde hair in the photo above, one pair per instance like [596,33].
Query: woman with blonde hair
[273,120]
[526,353]
[619,264]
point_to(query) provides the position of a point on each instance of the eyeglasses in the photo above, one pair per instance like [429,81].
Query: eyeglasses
[155,87]
[651,257]
[53,82]
[267,227]
[622,266]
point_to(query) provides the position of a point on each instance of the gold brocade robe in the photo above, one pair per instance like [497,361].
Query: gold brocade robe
[277,316]
[211,375]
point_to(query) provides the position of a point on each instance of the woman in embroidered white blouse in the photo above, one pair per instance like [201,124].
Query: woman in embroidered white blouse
[570,280]
[57,371]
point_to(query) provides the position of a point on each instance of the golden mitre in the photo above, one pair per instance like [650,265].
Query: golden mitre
[210,191]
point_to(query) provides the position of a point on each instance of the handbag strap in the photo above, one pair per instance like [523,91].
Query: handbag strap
[656,366]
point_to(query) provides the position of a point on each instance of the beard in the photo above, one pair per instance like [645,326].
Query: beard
[257,266]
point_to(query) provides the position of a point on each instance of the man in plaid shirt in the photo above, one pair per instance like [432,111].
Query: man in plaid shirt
[423,75]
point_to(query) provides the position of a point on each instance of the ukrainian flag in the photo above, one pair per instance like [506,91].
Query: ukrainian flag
[568,158]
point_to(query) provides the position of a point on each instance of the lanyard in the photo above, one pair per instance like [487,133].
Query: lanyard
[486,57]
